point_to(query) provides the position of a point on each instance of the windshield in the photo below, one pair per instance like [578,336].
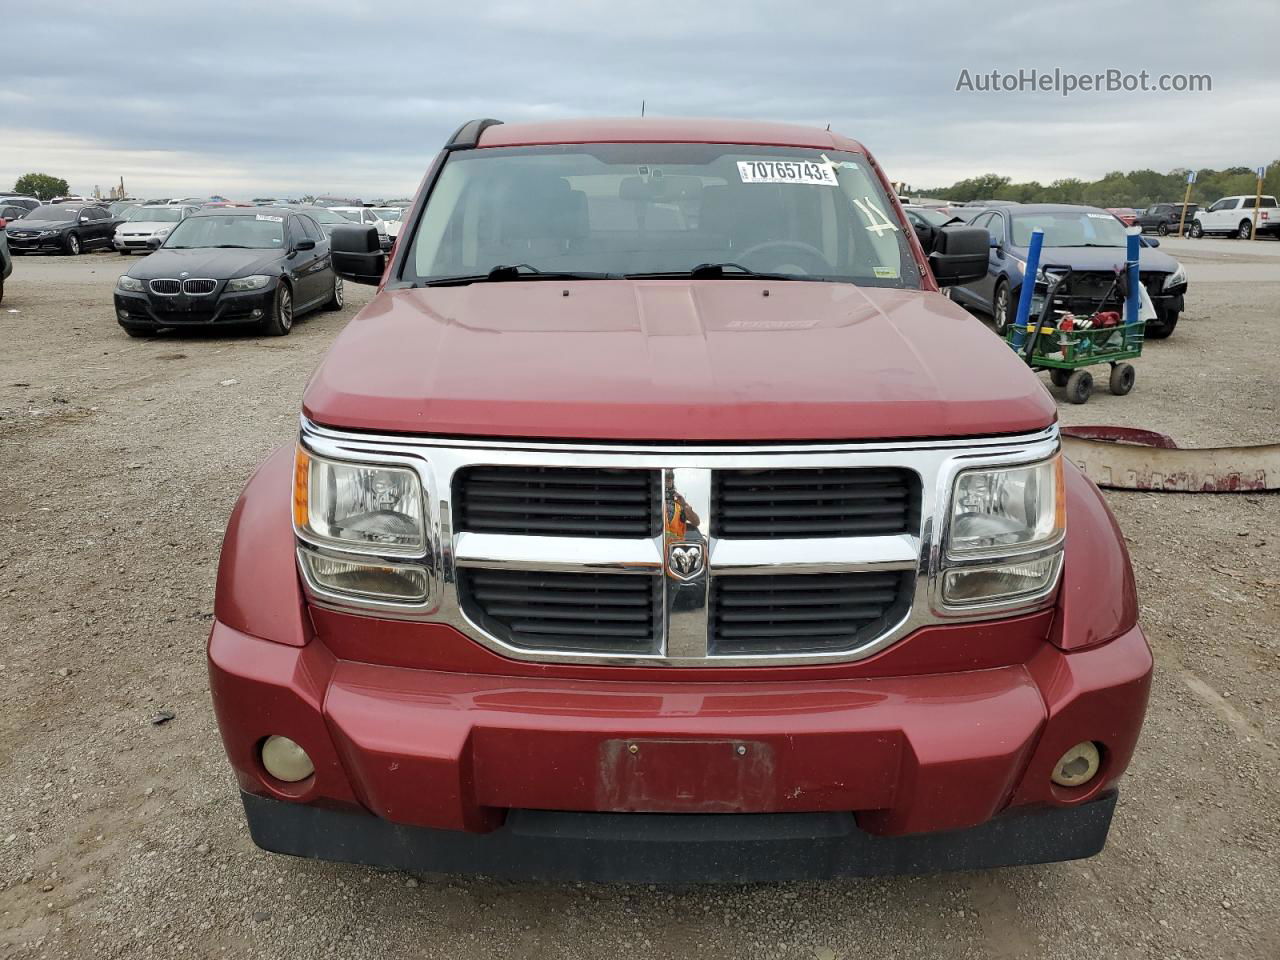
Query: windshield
[155,214]
[1070,228]
[54,212]
[325,215]
[935,218]
[388,213]
[350,215]
[657,208]
[255,231]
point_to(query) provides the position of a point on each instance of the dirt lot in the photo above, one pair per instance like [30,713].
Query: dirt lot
[119,462]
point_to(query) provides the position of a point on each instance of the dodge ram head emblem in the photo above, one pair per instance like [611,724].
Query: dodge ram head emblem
[685,561]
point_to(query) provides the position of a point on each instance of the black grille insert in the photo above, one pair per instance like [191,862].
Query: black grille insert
[804,613]
[557,501]
[824,502]
[582,612]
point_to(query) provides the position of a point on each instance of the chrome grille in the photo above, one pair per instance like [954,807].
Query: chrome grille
[529,582]
[557,501]
[568,611]
[199,288]
[814,503]
[166,288]
[774,614]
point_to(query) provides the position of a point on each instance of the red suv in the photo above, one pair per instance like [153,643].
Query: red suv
[660,520]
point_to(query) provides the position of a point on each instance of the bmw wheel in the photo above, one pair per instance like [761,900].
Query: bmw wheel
[338,297]
[279,321]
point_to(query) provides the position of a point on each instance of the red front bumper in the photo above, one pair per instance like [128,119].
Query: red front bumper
[457,750]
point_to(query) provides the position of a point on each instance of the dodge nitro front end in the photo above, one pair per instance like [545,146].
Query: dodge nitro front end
[660,521]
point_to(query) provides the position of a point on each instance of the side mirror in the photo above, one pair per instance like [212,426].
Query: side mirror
[153,243]
[924,233]
[84,218]
[1151,241]
[305,245]
[357,254]
[960,254]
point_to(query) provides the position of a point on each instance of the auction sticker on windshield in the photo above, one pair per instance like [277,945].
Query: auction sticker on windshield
[787,171]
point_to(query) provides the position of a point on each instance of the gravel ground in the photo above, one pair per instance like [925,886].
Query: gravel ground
[121,838]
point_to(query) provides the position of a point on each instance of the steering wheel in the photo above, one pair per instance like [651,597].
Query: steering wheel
[786,256]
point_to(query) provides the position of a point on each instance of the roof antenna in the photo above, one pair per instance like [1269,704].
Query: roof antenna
[828,128]
[642,108]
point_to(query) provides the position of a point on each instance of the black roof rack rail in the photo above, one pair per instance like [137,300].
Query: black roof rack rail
[467,136]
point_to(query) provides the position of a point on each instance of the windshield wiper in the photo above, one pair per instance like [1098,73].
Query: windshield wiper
[230,246]
[504,271]
[718,271]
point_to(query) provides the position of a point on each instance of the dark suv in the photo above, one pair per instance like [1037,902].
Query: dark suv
[1164,218]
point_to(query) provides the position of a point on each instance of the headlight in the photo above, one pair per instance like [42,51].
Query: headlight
[1178,276]
[374,508]
[247,283]
[1007,509]
[129,284]
[1009,516]
[400,582]
[48,233]
[163,232]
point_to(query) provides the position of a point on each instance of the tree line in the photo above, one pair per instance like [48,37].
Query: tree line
[1137,188]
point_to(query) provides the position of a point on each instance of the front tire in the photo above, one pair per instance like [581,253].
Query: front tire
[279,320]
[1162,327]
[1196,231]
[1059,376]
[338,297]
[1245,230]
[1163,229]
[71,246]
[1003,310]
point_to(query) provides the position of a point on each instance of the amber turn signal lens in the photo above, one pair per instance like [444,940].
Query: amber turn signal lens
[301,487]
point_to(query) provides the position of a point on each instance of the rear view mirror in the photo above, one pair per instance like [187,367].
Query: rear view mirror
[357,254]
[305,245]
[959,254]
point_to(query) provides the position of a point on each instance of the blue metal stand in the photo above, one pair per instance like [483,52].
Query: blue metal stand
[1029,272]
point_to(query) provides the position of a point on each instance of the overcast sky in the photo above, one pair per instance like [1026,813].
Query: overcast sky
[277,96]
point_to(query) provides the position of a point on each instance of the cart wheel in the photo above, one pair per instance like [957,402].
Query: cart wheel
[1122,377]
[1079,386]
[1059,377]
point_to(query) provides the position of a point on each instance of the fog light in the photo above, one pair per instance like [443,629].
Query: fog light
[255,314]
[122,314]
[285,760]
[1078,765]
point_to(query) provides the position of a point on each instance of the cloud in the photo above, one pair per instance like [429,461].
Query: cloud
[356,97]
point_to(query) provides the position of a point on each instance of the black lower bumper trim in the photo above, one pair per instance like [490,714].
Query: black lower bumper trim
[677,848]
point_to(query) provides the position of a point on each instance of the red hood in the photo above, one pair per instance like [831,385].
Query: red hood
[672,360]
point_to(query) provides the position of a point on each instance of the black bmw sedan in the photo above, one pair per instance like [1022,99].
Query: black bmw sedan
[223,267]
